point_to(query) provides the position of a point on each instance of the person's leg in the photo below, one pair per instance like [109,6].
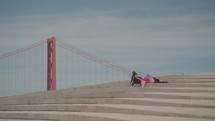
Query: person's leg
[132,84]
[156,80]
[143,83]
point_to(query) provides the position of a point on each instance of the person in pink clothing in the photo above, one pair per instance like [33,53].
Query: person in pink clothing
[150,79]
[143,80]
[147,79]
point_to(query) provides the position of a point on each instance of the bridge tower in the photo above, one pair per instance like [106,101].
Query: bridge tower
[51,64]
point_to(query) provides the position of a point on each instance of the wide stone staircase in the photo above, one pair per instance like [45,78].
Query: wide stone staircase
[184,98]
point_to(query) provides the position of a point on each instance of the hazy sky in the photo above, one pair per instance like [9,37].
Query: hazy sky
[152,36]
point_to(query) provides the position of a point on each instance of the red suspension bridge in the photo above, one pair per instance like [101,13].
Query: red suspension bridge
[41,67]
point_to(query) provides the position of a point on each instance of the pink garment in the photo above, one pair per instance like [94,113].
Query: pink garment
[142,81]
[148,79]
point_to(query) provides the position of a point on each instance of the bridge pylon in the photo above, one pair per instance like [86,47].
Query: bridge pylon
[51,64]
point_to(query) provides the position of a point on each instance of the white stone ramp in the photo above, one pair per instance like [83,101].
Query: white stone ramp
[184,98]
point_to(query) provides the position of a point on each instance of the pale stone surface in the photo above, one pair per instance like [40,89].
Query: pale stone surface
[184,98]
[21,120]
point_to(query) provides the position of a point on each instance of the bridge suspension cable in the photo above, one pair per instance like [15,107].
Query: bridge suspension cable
[24,70]
[93,57]
[21,50]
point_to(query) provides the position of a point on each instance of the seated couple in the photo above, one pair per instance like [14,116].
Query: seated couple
[135,79]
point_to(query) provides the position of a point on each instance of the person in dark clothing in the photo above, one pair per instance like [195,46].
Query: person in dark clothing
[135,79]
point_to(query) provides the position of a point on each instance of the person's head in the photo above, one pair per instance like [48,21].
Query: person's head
[134,73]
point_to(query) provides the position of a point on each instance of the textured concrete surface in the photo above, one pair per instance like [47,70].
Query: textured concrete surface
[21,120]
[184,98]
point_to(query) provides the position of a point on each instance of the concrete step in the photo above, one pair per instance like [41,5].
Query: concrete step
[54,115]
[182,85]
[207,113]
[188,77]
[173,89]
[190,81]
[181,102]
[170,87]
[113,90]
[178,84]
[111,95]
[130,101]
[176,90]
[143,95]
[185,89]
[89,116]
[102,97]
[170,102]
[206,95]
[23,120]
